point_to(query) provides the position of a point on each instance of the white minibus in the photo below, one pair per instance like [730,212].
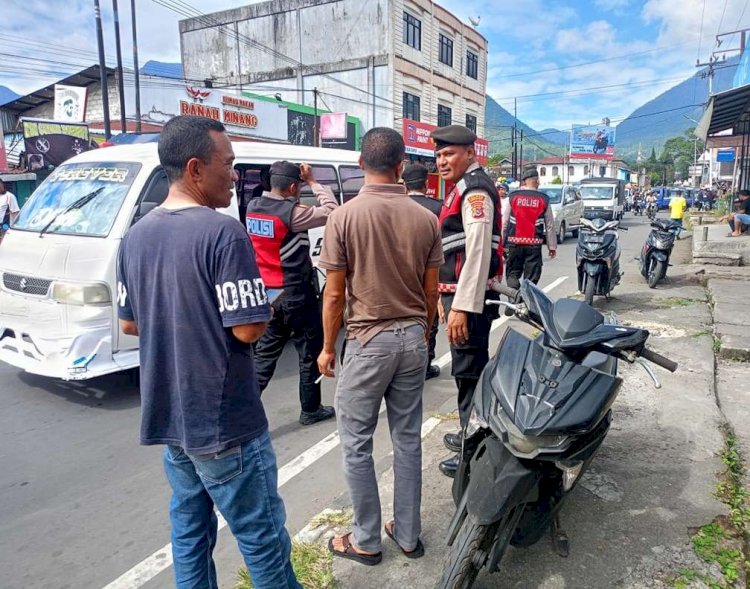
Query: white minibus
[58,315]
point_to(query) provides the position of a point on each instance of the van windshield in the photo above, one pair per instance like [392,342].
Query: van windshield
[105,186]
[597,192]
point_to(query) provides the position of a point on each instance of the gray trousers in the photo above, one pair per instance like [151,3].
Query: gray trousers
[391,366]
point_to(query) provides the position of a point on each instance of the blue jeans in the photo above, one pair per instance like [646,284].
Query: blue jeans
[242,483]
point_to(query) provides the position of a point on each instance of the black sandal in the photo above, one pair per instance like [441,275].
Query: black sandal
[418,551]
[351,554]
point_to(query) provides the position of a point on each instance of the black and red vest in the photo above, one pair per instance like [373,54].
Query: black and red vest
[283,257]
[452,229]
[526,222]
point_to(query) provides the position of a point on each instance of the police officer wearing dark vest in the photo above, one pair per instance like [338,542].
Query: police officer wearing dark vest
[277,225]
[415,180]
[471,228]
[529,225]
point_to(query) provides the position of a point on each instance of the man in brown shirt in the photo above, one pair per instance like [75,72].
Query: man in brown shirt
[382,252]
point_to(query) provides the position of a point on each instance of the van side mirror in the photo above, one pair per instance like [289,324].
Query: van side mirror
[143,209]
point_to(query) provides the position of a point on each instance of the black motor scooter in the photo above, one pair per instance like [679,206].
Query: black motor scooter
[637,208]
[541,410]
[656,250]
[598,257]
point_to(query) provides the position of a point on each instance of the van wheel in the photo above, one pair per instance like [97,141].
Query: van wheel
[575,233]
[561,233]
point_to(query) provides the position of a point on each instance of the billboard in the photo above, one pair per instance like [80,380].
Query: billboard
[50,143]
[333,125]
[592,142]
[418,141]
[70,103]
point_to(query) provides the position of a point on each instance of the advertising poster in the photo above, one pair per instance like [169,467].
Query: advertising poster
[50,143]
[418,141]
[345,143]
[70,103]
[593,142]
[333,125]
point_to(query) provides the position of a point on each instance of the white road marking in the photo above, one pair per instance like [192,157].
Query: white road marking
[161,560]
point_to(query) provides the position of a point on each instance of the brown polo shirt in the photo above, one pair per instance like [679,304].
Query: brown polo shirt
[385,242]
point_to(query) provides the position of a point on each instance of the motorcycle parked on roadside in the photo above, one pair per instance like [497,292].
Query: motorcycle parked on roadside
[657,249]
[541,410]
[598,257]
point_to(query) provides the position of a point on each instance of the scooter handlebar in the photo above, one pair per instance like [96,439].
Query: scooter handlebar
[658,359]
[509,292]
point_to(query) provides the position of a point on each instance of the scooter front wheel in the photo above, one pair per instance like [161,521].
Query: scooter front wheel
[588,292]
[469,553]
[655,271]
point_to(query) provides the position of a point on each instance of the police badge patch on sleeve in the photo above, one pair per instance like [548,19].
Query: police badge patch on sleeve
[476,202]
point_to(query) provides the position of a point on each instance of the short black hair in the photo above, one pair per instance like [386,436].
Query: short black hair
[184,138]
[382,149]
[282,182]
[742,192]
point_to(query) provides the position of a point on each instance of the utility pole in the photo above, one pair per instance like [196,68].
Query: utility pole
[137,73]
[120,79]
[520,158]
[513,143]
[316,143]
[102,69]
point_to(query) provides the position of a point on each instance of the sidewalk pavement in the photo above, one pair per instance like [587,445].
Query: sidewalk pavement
[629,520]
[730,301]
[718,248]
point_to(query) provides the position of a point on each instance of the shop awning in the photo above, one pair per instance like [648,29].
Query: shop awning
[726,110]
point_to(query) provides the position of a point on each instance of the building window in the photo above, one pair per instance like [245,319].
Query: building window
[571,171]
[585,170]
[602,171]
[411,106]
[542,171]
[471,123]
[555,171]
[412,31]
[472,65]
[446,50]
[445,116]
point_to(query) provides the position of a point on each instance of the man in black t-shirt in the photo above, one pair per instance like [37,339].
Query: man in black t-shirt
[740,219]
[189,286]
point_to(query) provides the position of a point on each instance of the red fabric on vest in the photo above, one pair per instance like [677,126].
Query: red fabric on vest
[268,250]
[526,209]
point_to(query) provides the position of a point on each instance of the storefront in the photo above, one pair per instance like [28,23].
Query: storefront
[419,148]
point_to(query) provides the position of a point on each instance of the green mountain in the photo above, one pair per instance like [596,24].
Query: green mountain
[498,124]
[669,114]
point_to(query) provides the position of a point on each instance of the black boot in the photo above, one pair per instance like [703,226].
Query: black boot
[449,466]
[320,414]
[453,441]
[433,371]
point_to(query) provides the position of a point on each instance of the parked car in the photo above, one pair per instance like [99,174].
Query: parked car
[567,208]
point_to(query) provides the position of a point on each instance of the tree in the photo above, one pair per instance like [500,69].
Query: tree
[652,157]
[556,180]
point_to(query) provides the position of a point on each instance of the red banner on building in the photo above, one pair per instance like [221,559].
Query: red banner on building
[418,141]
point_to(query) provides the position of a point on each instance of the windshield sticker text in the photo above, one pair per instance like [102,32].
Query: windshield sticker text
[101,174]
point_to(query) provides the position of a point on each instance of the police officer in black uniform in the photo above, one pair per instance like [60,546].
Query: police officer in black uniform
[415,180]
[277,225]
[470,224]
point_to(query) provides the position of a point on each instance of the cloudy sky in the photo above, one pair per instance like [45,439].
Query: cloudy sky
[565,61]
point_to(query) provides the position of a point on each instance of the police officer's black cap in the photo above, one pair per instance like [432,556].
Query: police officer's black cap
[286,169]
[530,172]
[414,173]
[452,135]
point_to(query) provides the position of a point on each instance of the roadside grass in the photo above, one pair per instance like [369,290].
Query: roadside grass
[671,302]
[702,333]
[338,518]
[312,563]
[724,541]
[717,345]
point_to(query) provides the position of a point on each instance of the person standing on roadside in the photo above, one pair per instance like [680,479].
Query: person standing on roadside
[382,253]
[677,207]
[471,226]
[415,180]
[277,225]
[530,223]
[8,209]
[502,191]
[197,301]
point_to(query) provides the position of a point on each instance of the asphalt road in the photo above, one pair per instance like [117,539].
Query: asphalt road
[84,504]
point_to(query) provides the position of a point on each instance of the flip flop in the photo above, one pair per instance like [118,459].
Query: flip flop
[418,551]
[351,554]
